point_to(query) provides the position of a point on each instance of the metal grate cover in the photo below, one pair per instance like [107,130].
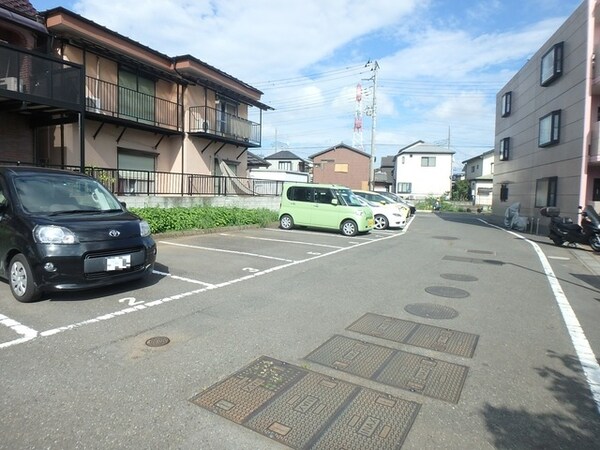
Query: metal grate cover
[431,311]
[417,334]
[304,409]
[416,373]
[447,291]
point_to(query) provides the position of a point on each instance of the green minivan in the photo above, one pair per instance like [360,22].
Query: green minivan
[326,206]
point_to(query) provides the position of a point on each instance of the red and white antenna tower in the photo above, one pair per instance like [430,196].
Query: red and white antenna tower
[357,137]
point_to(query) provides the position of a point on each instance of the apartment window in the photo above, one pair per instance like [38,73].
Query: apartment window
[404,188]
[596,191]
[549,129]
[285,165]
[503,192]
[552,64]
[504,149]
[136,97]
[545,192]
[427,161]
[136,171]
[506,104]
[472,169]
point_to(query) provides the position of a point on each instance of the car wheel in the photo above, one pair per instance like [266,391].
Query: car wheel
[349,228]
[286,222]
[22,284]
[381,222]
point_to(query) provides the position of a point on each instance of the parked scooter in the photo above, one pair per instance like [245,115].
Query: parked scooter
[562,229]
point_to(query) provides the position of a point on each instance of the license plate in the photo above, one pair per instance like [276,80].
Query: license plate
[118,262]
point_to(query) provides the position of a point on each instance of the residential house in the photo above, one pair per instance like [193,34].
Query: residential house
[548,123]
[342,164]
[284,166]
[479,172]
[122,105]
[423,170]
[383,178]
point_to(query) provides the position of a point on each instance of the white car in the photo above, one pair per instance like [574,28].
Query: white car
[386,216]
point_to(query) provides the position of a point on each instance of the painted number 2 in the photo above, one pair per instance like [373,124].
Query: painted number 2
[131,301]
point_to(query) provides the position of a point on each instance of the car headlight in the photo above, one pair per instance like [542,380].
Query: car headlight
[144,228]
[51,234]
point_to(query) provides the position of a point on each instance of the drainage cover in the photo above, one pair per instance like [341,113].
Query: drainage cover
[473,260]
[481,252]
[417,334]
[445,238]
[157,341]
[458,277]
[447,291]
[431,311]
[304,409]
[415,373]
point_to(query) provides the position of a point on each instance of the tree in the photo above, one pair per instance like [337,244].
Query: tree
[460,190]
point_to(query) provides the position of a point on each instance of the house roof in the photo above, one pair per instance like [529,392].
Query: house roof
[383,177]
[256,161]
[284,154]
[340,145]
[481,156]
[23,13]
[387,161]
[424,148]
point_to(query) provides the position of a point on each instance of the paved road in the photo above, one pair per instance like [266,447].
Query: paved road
[450,334]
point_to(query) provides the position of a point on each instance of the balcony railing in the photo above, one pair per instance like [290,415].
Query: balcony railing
[142,182]
[116,101]
[33,77]
[214,122]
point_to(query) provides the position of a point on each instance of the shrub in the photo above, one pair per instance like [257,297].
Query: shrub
[162,220]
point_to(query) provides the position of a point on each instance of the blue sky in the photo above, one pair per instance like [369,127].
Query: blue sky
[441,62]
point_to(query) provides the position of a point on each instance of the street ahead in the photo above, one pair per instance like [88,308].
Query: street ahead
[449,334]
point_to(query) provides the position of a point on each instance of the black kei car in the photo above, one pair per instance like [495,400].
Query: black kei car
[62,230]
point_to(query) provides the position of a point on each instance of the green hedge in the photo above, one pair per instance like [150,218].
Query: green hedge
[162,220]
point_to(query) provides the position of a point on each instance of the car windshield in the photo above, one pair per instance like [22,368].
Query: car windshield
[347,197]
[62,194]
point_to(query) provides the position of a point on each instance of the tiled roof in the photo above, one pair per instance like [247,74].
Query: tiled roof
[23,7]
[283,154]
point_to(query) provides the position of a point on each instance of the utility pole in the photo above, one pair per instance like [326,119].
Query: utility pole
[372,111]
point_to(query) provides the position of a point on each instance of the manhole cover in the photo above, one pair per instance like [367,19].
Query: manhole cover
[446,238]
[157,341]
[481,252]
[431,311]
[304,409]
[416,334]
[415,373]
[447,291]
[458,277]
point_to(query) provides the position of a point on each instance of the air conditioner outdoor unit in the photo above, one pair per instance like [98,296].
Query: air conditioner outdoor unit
[92,104]
[9,83]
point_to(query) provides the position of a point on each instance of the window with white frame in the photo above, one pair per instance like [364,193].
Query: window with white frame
[284,165]
[549,132]
[427,161]
[545,192]
[504,152]
[551,64]
[404,188]
[506,104]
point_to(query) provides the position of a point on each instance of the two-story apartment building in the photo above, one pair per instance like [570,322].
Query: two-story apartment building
[423,170]
[111,102]
[548,123]
[479,172]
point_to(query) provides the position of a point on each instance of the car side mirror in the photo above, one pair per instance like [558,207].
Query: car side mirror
[123,204]
[334,201]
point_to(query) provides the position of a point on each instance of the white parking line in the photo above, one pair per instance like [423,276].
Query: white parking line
[27,333]
[584,351]
[221,250]
[30,334]
[285,241]
[175,277]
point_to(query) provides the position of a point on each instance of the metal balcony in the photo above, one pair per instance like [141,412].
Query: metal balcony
[221,126]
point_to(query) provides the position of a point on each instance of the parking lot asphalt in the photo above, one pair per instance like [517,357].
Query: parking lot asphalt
[453,333]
